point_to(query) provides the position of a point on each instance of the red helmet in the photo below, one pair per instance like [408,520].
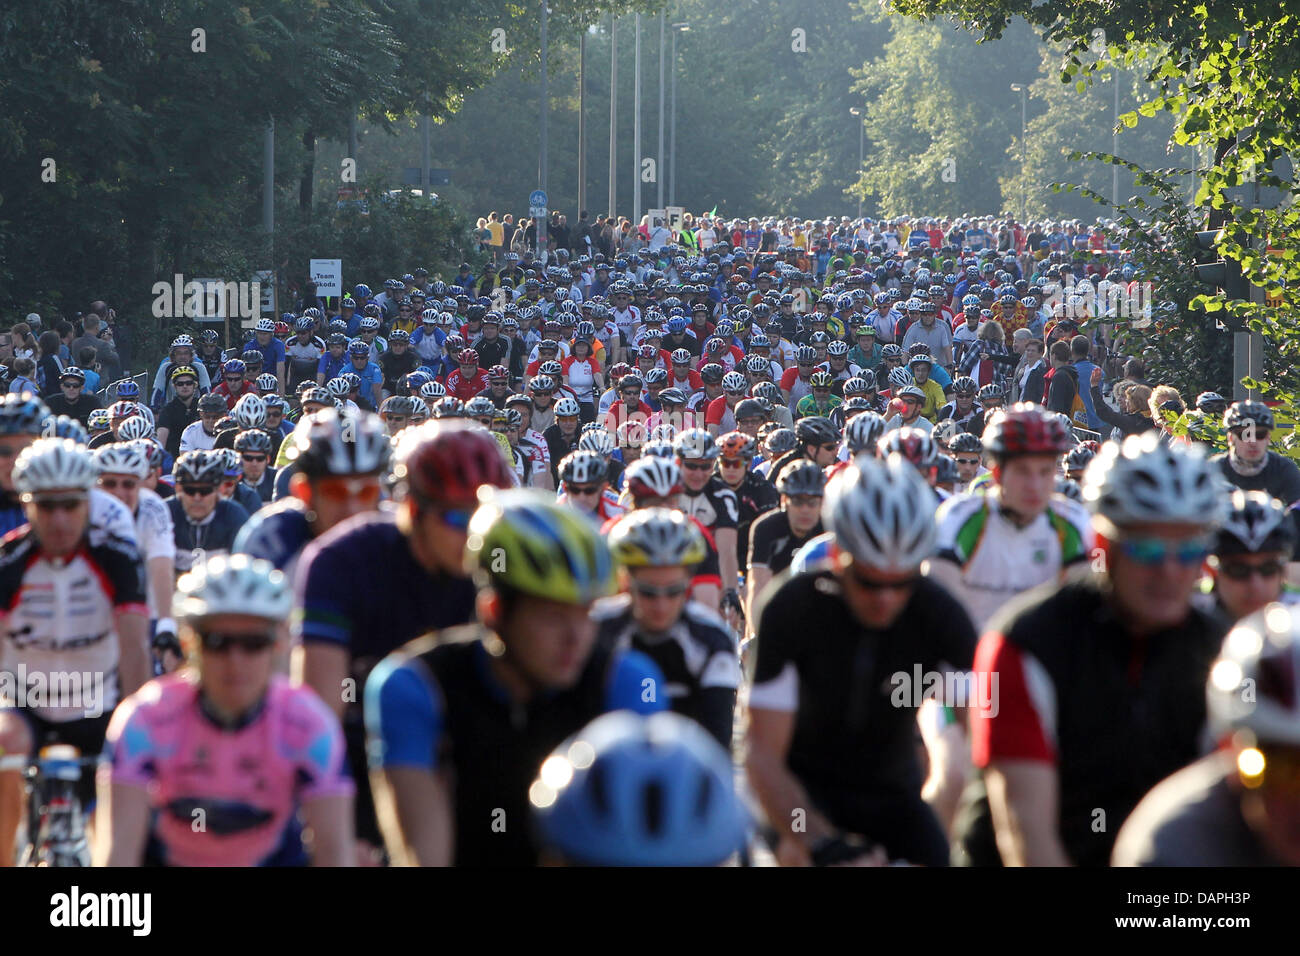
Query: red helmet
[735,445]
[647,351]
[467,357]
[1026,429]
[915,444]
[497,373]
[447,460]
[282,328]
[618,370]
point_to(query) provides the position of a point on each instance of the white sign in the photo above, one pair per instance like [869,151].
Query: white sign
[657,217]
[266,280]
[328,276]
[676,217]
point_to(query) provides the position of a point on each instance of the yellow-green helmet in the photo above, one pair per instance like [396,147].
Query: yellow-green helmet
[657,538]
[523,541]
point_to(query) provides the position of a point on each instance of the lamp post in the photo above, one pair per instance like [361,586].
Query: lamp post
[613,115]
[1024,102]
[672,123]
[862,143]
[636,125]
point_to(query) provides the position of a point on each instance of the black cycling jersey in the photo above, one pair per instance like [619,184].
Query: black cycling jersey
[214,535]
[174,417]
[1192,819]
[698,657]
[1113,714]
[1280,477]
[715,505]
[756,496]
[772,543]
[855,741]
[559,447]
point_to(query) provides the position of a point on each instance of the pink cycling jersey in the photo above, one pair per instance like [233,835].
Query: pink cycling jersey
[226,797]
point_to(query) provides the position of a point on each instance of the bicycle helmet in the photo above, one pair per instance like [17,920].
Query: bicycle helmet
[233,584]
[1025,429]
[712,374]
[127,389]
[599,440]
[253,440]
[64,426]
[964,385]
[633,791]
[199,468]
[554,370]
[815,430]
[805,355]
[820,379]
[1078,457]
[736,445]
[652,476]
[209,403]
[1255,522]
[567,408]
[657,537]
[339,443]
[22,414]
[126,458]
[267,382]
[914,444]
[448,407]
[881,513]
[231,367]
[994,393]
[900,378]
[733,382]
[658,376]
[583,467]
[966,442]
[1244,414]
[137,426]
[249,412]
[695,444]
[447,461]
[857,385]
[891,351]
[467,357]
[338,387]
[862,432]
[1143,480]
[1253,684]
[53,464]
[1212,403]
[801,477]
[524,542]
[768,390]
[946,431]
[480,406]
[664,432]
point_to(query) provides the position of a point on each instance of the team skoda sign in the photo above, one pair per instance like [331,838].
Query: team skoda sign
[328,276]
[537,203]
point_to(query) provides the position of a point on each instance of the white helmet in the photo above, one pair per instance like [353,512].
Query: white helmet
[900,377]
[582,467]
[1144,480]
[882,513]
[658,538]
[137,426]
[249,411]
[54,464]
[122,459]
[233,584]
[650,476]
[566,407]
[734,382]
[433,390]
[1255,683]
[862,432]
[598,440]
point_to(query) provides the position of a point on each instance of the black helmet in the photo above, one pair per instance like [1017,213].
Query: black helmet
[1255,523]
[1241,414]
[801,478]
[816,430]
[966,442]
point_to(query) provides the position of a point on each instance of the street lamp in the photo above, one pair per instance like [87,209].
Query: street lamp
[672,123]
[1024,101]
[862,142]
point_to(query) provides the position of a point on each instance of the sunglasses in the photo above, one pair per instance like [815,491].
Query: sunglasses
[341,489]
[1261,434]
[217,643]
[112,484]
[185,383]
[455,518]
[1240,571]
[697,465]
[967,461]
[197,491]
[48,505]
[234,378]
[71,384]
[1150,552]
[870,584]
[582,489]
[651,591]
[253,458]
[731,462]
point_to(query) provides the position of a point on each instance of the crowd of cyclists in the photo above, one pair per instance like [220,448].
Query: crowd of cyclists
[833,543]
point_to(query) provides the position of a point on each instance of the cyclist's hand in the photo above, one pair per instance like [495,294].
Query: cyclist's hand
[731,603]
[791,851]
[1096,377]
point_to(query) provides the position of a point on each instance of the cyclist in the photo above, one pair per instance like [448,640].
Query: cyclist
[664,760]
[1101,681]
[253,446]
[778,534]
[413,555]
[1248,464]
[201,435]
[563,435]
[1247,568]
[73,607]
[1237,806]
[968,452]
[585,486]
[461,720]
[832,742]
[816,439]
[910,400]
[1019,534]
[658,550]
[227,741]
[820,403]
[334,469]
[706,497]
[962,409]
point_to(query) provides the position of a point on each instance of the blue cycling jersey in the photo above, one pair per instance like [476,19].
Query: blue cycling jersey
[277,533]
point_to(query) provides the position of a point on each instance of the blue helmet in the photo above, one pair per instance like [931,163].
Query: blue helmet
[628,790]
[362,291]
[677,324]
[128,388]
[358,347]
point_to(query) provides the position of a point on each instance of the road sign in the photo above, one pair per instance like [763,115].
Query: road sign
[537,204]
[1269,197]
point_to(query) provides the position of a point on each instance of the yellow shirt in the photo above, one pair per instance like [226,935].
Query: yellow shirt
[498,233]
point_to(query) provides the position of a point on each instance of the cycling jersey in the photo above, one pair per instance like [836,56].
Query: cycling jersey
[215,534]
[436,704]
[754,497]
[276,534]
[808,405]
[1192,818]
[1280,477]
[714,505]
[815,555]
[772,543]
[196,438]
[60,619]
[1113,714]
[996,560]
[697,655]
[607,507]
[854,744]
[155,535]
[245,783]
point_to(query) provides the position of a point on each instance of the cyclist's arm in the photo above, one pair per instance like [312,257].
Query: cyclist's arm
[162,434]
[123,829]
[329,820]
[782,796]
[728,566]
[323,667]
[1024,800]
[135,666]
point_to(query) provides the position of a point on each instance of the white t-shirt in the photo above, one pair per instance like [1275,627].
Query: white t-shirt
[194,438]
[155,535]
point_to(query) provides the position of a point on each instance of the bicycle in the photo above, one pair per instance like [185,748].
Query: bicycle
[56,821]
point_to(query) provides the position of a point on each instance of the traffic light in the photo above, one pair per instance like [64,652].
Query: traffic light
[1219,274]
